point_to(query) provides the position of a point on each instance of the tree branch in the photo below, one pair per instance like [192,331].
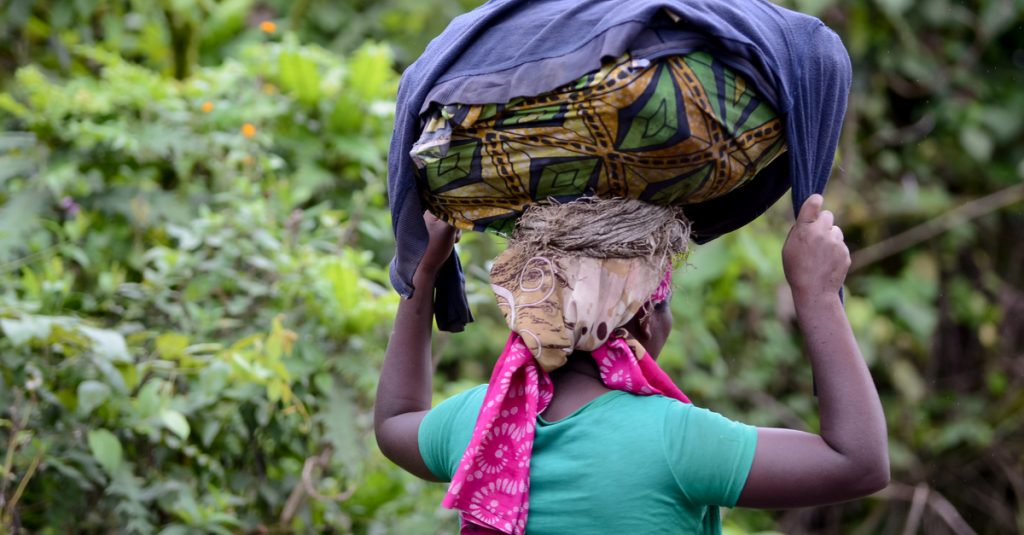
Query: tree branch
[932,228]
[935,501]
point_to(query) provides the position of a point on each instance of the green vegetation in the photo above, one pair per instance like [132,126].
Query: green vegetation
[194,239]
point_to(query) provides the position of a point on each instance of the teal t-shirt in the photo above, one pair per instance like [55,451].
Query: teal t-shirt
[619,464]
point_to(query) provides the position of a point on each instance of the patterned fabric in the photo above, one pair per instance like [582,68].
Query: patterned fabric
[491,485]
[678,130]
[560,304]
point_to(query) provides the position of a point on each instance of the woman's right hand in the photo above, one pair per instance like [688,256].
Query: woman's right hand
[405,388]
[849,458]
[815,257]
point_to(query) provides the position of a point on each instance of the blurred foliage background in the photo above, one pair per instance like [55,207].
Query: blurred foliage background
[194,238]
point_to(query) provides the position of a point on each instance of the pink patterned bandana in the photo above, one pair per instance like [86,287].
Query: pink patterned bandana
[491,484]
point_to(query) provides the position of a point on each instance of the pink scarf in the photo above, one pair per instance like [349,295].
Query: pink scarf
[491,485]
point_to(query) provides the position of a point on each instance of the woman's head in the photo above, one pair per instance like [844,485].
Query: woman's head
[576,272]
[652,324]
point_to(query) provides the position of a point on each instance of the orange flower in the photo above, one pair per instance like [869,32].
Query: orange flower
[268,26]
[248,130]
[269,89]
[207,107]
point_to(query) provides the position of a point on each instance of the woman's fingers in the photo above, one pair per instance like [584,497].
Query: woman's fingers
[815,257]
[440,231]
[826,219]
[436,225]
[432,221]
[837,233]
[810,209]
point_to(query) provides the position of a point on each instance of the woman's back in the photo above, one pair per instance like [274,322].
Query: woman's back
[631,460]
[620,463]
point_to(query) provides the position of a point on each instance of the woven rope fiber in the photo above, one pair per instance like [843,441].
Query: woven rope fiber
[602,228]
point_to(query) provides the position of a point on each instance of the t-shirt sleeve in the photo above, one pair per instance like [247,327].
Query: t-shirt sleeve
[709,454]
[446,429]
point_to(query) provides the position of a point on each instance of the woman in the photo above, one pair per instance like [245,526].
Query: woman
[612,446]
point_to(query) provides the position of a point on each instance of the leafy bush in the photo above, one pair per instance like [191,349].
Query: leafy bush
[195,299]
[193,251]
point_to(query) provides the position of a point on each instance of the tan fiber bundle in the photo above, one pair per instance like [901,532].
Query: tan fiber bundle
[575,272]
[602,228]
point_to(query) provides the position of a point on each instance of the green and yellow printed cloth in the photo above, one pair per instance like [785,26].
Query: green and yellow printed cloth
[676,130]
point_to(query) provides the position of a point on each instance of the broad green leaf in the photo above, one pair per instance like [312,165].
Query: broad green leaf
[175,422]
[91,394]
[113,377]
[68,470]
[275,391]
[977,143]
[996,17]
[963,431]
[171,346]
[14,166]
[109,345]
[149,400]
[341,431]
[28,328]
[300,76]
[225,20]
[19,217]
[705,263]
[187,240]
[8,104]
[347,116]
[907,380]
[106,448]
[209,432]
[370,71]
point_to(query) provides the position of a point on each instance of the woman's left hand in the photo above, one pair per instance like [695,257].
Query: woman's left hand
[443,238]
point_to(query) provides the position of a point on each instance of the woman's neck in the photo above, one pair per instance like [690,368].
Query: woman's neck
[580,363]
[576,383]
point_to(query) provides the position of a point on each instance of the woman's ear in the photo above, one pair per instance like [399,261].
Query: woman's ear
[643,321]
[640,324]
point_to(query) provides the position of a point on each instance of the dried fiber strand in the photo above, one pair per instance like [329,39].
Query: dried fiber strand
[602,228]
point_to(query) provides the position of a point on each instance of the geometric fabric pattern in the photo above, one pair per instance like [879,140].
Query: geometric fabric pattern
[677,130]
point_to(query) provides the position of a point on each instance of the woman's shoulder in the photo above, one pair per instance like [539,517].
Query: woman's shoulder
[656,403]
[633,411]
[673,415]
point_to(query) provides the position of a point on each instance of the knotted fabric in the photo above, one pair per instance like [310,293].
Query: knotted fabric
[556,302]
[673,130]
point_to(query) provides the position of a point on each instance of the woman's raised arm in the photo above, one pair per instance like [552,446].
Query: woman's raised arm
[406,379]
[849,459]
